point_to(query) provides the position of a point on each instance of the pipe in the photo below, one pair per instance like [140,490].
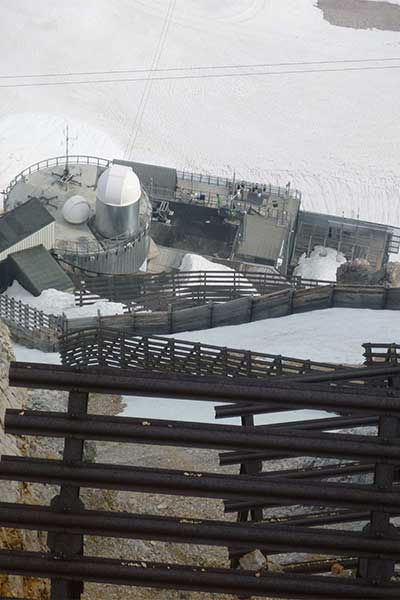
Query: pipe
[203,485]
[164,576]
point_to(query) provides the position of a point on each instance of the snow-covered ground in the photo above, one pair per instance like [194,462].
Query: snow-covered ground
[55,302]
[322,264]
[333,134]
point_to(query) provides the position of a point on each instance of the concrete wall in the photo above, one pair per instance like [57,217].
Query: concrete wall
[44,236]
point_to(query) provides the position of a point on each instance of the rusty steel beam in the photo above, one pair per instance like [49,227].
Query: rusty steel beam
[271,538]
[190,578]
[174,433]
[197,484]
[170,385]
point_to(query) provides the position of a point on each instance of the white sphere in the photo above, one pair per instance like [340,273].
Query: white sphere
[76,210]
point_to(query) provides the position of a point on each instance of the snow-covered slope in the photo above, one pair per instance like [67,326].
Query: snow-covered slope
[333,134]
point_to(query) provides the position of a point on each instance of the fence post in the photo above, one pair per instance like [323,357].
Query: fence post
[251,308]
[378,570]
[170,318]
[211,311]
[62,544]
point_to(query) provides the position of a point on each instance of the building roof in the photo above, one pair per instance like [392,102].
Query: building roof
[153,176]
[23,221]
[36,270]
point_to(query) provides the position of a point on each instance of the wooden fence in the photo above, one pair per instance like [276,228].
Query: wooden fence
[381,353]
[29,326]
[100,347]
[244,310]
[181,290]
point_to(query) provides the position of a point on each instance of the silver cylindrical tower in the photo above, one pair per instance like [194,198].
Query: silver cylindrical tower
[118,196]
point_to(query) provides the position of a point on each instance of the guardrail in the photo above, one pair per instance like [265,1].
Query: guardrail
[93,247]
[282,192]
[54,162]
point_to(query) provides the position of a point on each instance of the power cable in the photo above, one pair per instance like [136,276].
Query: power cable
[199,68]
[147,89]
[195,77]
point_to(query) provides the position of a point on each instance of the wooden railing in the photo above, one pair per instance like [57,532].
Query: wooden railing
[245,309]
[381,353]
[183,290]
[30,326]
[103,347]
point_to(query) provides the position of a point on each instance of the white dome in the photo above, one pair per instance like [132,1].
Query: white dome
[76,210]
[118,186]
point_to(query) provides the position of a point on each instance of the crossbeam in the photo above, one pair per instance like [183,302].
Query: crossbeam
[171,576]
[266,537]
[199,484]
[171,385]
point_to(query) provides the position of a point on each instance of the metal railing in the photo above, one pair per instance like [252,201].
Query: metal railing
[95,247]
[282,192]
[56,161]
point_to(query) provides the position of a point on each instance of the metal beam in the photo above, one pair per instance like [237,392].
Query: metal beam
[170,385]
[171,576]
[197,484]
[173,433]
[271,537]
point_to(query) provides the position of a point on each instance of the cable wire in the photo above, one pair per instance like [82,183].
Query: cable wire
[195,77]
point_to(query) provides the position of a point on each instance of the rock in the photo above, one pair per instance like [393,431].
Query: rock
[393,274]
[253,561]
[360,272]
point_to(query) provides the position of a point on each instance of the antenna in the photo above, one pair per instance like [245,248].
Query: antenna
[66,177]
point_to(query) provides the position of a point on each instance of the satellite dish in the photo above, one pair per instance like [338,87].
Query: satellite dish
[76,210]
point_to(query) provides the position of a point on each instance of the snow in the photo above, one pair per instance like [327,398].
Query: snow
[56,302]
[334,135]
[196,262]
[330,335]
[24,354]
[322,264]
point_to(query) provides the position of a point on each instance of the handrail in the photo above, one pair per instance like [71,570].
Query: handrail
[54,162]
[283,192]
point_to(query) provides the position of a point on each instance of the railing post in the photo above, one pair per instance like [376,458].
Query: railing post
[69,545]
[377,570]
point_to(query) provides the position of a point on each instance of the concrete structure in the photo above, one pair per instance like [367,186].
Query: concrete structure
[80,244]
